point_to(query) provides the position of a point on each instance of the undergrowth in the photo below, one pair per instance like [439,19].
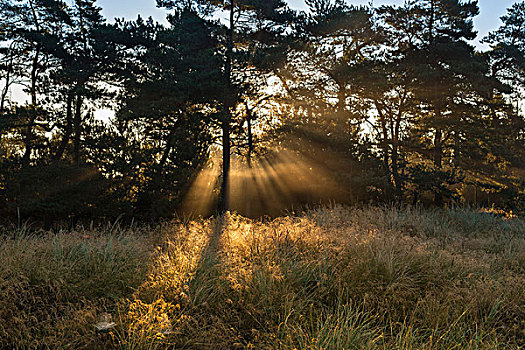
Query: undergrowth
[332,278]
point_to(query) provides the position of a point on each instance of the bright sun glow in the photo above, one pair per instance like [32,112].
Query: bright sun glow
[280,180]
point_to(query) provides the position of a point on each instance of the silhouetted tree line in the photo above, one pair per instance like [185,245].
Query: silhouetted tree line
[396,93]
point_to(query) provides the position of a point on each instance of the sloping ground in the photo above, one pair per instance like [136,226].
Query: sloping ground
[333,278]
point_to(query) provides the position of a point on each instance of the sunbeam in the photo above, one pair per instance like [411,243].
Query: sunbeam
[202,195]
[277,181]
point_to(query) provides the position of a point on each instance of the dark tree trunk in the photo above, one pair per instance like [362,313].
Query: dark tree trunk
[438,149]
[438,160]
[28,133]
[457,150]
[7,83]
[395,157]
[77,123]
[69,128]
[224,202]
[170,142]
[28,141]
[249,161]
[385,146]
[165,154]
[341,99]
[250,142]
[431,21]
[395,169]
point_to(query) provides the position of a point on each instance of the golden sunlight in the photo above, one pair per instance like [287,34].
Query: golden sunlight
[279,181]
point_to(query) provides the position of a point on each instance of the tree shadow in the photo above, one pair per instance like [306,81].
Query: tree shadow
[208,272]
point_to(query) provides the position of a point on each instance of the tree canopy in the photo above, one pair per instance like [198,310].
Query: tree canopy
[255,107]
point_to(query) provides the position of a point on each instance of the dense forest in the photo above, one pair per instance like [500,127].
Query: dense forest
[249,105]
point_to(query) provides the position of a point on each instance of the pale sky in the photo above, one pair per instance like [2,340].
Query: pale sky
[488,20]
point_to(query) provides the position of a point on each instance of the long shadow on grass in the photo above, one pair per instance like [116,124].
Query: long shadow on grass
[204,282]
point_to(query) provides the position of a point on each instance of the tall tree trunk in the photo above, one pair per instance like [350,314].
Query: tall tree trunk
[457,150]
[431,21]
[170,142]
[438,149]
[155,185]
[77,123]
[395,156]
[395,169]
[224,200]
[438,160]
[250,168]
[28,142]
[250,141]
[69,127]
[385,146]
[28,134]
[341,99]
[5,91]
[165,154]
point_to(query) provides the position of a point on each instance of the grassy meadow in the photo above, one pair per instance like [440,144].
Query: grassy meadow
[330,278]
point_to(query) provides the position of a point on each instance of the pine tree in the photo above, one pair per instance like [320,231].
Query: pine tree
[323,76]
[507,54]
[249,22]
[432,40]
[172,94]
[27,25]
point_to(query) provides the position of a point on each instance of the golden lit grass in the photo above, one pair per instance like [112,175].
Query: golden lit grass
[53,287]
[333,278]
